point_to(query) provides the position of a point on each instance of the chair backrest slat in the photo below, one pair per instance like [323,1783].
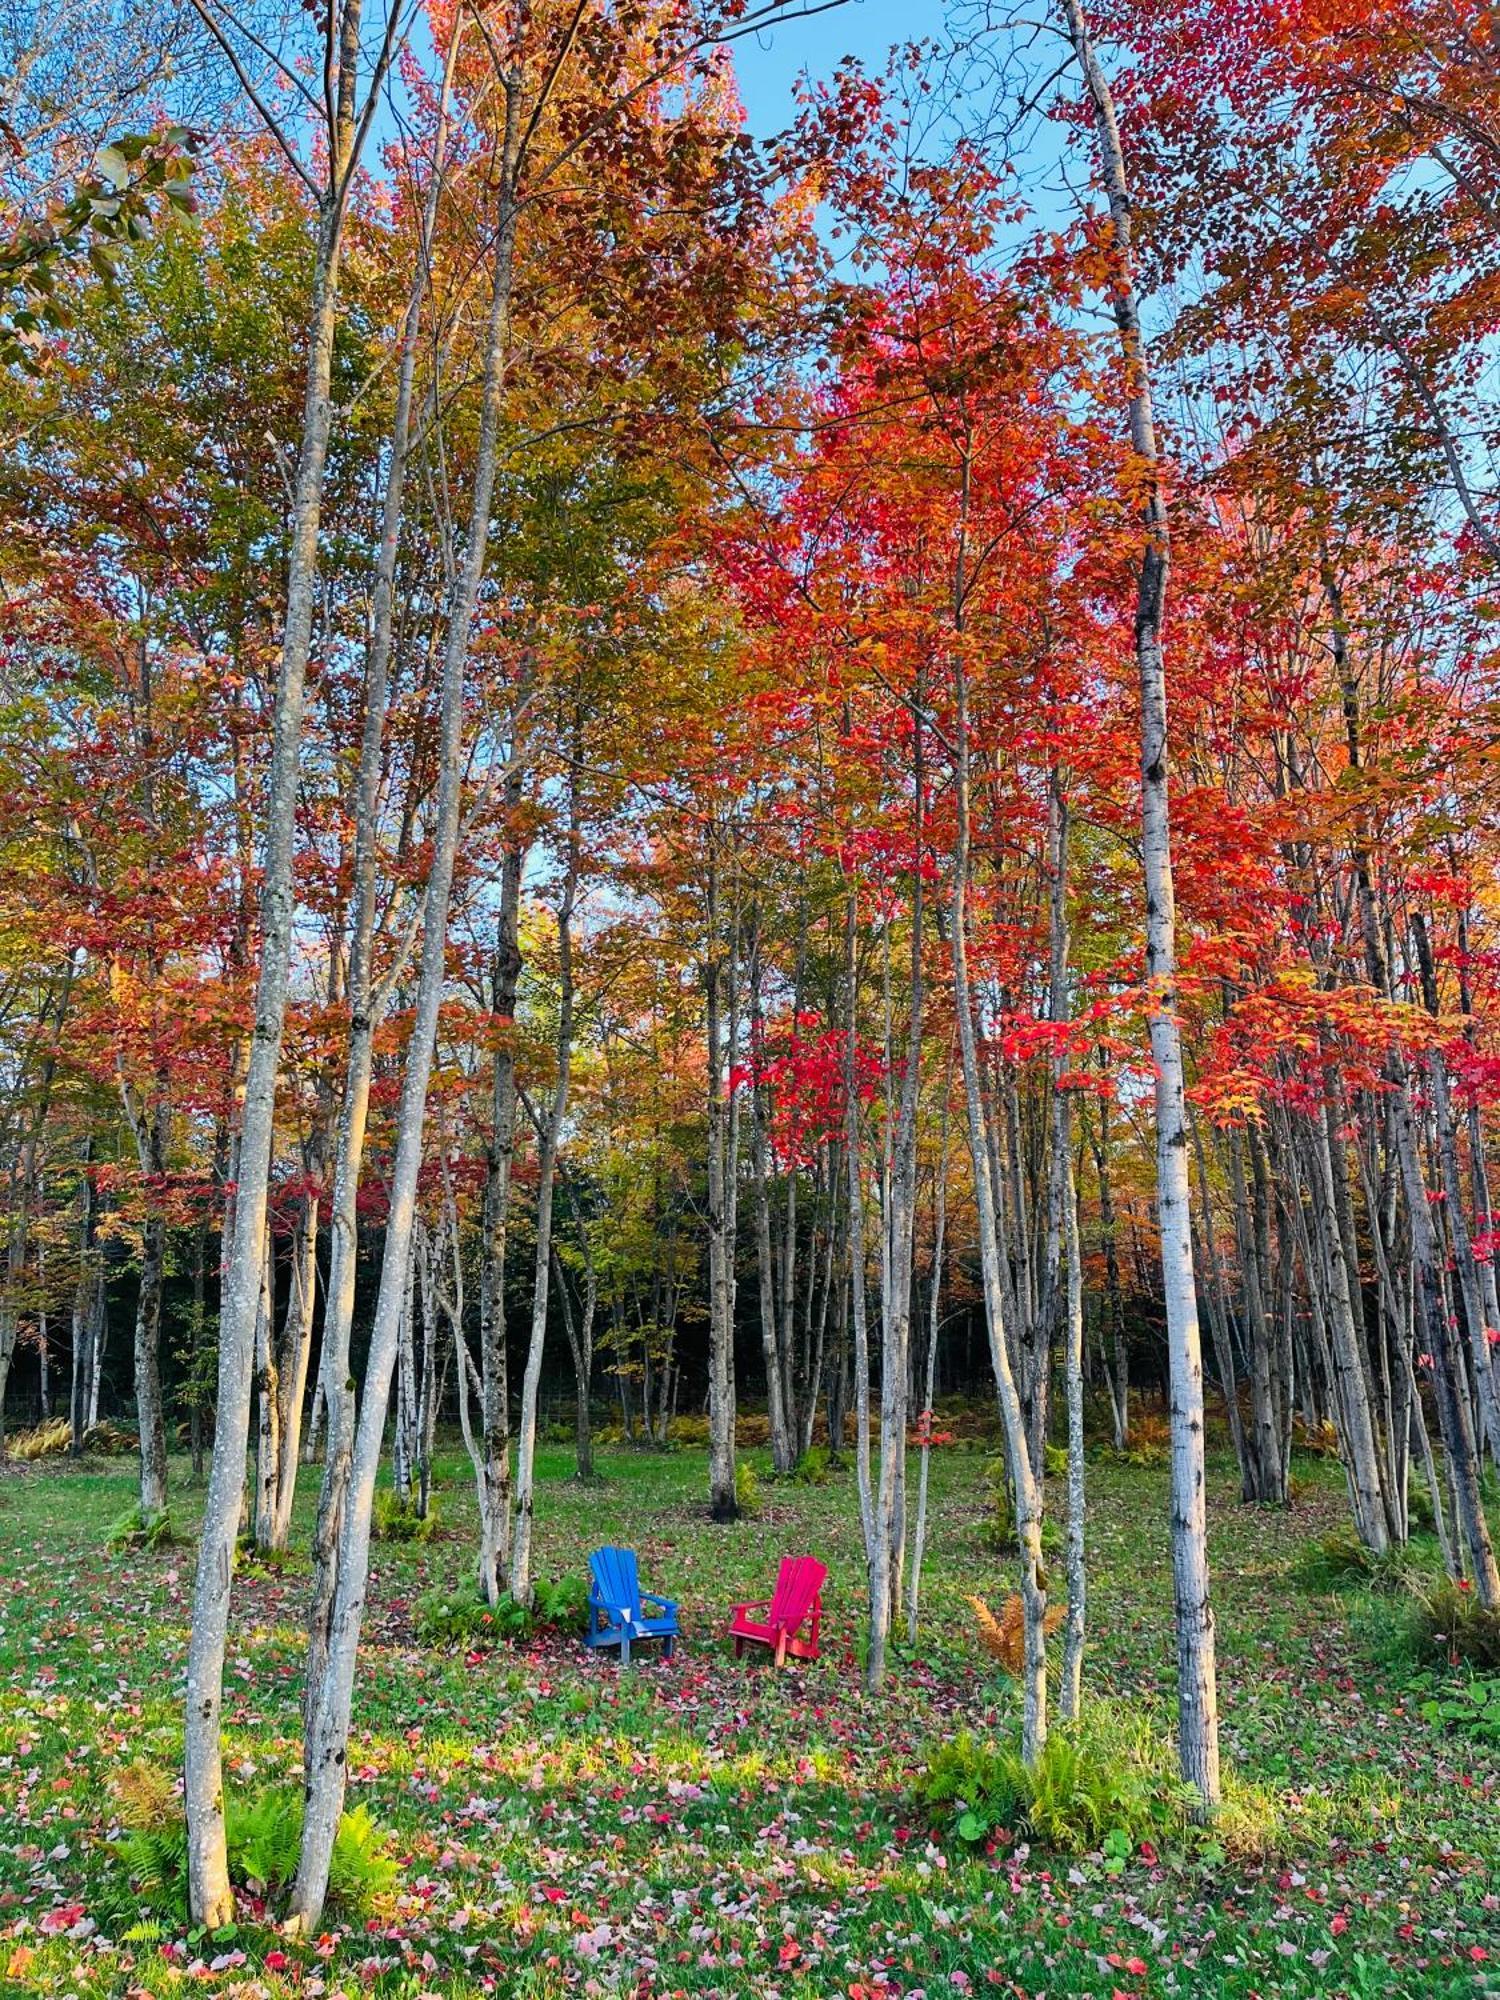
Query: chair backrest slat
[798,1582]
[617,1578]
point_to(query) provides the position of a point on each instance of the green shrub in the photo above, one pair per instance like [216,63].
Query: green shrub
[1467,1708]
[815,1467]
[1054,1461]
[1341,1561]
[463,1618]
[275,1562]
[999,1531]
[746,1488]
[563,1604]
[975,1786]
[137,1530]
[397,1520]
[361,1867]
[1447,1622]
[1107,1782]
[1420,1519]
[263,1835]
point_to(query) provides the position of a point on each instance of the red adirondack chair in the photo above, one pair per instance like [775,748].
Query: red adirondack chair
[778,1621]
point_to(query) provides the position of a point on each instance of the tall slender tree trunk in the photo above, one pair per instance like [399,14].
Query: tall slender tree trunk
[210,1895]
[293,1363]
[859,1303]
[1114,1304]
[150,1413]
[492,1469]
[1452,1405]
[1470,1286]
[782,1452]
[330,1696]
[722,1503]
[1070,1687]
[335,1393]
[1197,1696]
[1024,1483]
[549,1139]
[934,1322]
[897,1258]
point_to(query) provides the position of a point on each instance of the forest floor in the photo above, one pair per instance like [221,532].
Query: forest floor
[711,1827]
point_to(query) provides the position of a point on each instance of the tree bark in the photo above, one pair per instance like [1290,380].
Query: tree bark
[365,1003]
[722,1503]
[330,1696]
[1197,1697]
[549,1139]
[210,1896]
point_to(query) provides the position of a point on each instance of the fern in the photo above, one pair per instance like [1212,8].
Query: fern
[563,1604]
[135,1530]
[1004,1638]
[264,1835]
[1106,1782]
[746,1489]
[397,1520]
[361,1867]
[154,1869]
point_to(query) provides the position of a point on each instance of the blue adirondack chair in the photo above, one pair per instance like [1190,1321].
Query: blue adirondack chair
[619,1612]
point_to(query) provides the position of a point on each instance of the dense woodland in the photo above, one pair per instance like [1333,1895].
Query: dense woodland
[662,784]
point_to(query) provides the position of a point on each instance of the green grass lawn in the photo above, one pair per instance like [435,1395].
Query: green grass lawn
[710,1827]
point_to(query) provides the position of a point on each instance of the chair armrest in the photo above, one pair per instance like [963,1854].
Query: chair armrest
[754,1604]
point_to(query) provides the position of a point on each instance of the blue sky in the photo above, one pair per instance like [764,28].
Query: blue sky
[768,63]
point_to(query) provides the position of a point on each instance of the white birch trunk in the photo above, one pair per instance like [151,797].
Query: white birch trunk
[549,1138]
[1197,1696]
[1024,1482]
[335,1393]
[330,1699]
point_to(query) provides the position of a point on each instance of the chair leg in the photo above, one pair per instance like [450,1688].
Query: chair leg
[671,1646]
[739,1649]
[625,1651]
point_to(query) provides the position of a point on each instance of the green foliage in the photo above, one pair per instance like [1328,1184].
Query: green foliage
[273,1562]
[1445,1621]
[1341,1561]
[150,1930]
[1055,1461]
[263,1834]
[977,1785]
[746,1488]
[361,1867]
[152,1874]
[137,1530]
[463,1618]
[815,1467]
[999,1531]
[1466,1708]
[110,211]
[397,1520]
[1106,1782]
[563,1604]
